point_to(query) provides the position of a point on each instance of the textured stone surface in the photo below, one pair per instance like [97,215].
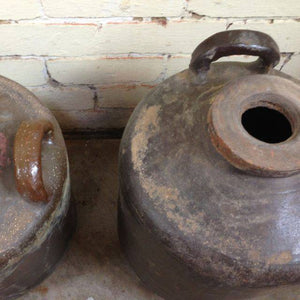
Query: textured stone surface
[179,63]
[47,39]
[78,39]
[285,33]
[105,71]
[65,98]
[154,37]
[19,9]
[121,96]
[237,8]
[93,267]
[292,67]
[107,8]
[28,72]
[110,46]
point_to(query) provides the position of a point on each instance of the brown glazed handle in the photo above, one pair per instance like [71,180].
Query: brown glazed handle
[27,159]
[235,42]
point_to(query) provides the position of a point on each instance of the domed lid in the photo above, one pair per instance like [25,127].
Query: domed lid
[33,168]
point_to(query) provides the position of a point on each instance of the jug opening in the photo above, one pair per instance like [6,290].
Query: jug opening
[254,123]
[267,124]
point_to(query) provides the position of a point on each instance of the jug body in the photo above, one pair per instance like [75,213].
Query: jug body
[209,186]
[36,215]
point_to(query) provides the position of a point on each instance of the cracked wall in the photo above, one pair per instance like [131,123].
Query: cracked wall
[92,61]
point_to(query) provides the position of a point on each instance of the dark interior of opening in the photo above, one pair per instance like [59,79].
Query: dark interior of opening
[267,125]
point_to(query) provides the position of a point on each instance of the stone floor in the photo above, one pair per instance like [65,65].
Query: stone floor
[93,267]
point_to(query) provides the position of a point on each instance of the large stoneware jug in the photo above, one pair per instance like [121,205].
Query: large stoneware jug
[36,218]
[209,202]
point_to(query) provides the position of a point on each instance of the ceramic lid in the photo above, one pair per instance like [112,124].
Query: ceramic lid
[33,167]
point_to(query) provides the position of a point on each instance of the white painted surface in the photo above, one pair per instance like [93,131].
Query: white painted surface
[243,8]
[108,8]
[82,56]
[29,72]
[105,71]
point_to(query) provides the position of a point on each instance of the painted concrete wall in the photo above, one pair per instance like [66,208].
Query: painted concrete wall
[91,61]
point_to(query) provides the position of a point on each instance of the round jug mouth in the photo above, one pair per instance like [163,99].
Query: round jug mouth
[254,123]
[267,123]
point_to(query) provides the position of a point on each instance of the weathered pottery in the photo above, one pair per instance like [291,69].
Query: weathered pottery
[209,202]
[36,219]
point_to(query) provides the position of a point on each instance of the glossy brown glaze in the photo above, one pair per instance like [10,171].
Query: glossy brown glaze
[27,159]
[33,234]
[207,211]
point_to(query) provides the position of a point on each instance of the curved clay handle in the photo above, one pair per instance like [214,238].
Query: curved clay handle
[27,159]
[233,42]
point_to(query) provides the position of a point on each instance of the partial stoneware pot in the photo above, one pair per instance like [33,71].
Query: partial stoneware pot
[36,218]
[209,202]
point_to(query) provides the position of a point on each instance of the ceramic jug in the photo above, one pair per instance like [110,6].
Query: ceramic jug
[209,202]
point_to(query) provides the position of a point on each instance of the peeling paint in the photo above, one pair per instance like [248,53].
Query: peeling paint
[160,21]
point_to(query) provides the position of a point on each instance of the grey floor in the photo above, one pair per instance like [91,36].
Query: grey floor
[93,267]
